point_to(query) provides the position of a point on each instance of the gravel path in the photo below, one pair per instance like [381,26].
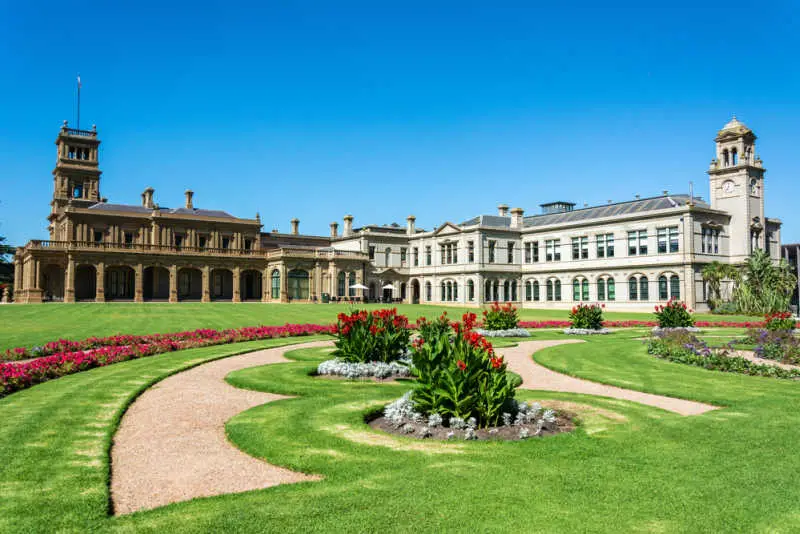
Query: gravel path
[171,444]
[535,376]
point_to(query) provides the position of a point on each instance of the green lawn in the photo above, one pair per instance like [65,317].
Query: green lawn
[25,325]
[629,468]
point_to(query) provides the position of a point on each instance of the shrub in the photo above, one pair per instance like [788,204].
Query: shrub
[779,321]
[587,317]
[500,317]
[725,308]
[684,347]
[435,328]
[380,336]
[674,314]
[459,375]
[777,344]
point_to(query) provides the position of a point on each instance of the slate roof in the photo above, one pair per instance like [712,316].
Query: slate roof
[130,208]
[595,212]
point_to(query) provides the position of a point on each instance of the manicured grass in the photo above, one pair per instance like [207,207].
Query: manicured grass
[27,325]
[630,468]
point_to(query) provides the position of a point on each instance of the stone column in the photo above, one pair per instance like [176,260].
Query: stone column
[19,282]
[100,291]
[173,283]
[284,283]
[318,281]
[206,284]
[69,280]
[237,284]
[138,291]
[333,272]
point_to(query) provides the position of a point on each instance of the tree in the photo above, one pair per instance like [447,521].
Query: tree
[713,274]
[6,267]
[764,286]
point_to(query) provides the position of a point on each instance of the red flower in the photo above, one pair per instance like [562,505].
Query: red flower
[461,365]
[496,362]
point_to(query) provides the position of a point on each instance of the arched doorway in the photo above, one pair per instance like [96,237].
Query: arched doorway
[85,282]
[53,283]
[120,282]
[155,285]
[250,285]
[387,293]
[298,284]
[403,292]
[415,292]
[221,284]
[190,284]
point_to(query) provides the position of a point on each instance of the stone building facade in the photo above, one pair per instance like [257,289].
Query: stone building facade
[630,255]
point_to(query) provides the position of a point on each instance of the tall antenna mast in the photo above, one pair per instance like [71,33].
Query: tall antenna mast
[691,191]
[78,118]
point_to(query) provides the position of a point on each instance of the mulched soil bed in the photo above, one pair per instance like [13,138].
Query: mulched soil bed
[564,423]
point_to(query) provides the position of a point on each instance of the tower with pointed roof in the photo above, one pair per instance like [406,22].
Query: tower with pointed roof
[737,187]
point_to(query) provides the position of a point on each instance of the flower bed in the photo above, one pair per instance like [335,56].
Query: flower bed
[529,420]
[683,347]
[380,336]
[586,331]
[21,375]
[501,317]
[511,332]
[355,370]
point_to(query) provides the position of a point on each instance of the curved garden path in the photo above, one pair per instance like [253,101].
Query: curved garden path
[171,444]
[535,376]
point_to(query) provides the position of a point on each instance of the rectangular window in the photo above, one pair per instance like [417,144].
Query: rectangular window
[552,250]
[673,238]
[372,253]
[667,239]
[248,244]
[402,255]
[510,252]
[716,241]
[442,248]
[637,243]
[535,251]
[661,237]
[492,245]
[201,241]
[428,255]
[178,241]
[415,256]
[226,241]
[455,252]
[98,236]
[605,246]
[471,251]
[128,238]
[576,248]
[528,255]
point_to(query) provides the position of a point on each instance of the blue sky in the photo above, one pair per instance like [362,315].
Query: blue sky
[382,109]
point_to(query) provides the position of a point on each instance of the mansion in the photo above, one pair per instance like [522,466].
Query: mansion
[630,255]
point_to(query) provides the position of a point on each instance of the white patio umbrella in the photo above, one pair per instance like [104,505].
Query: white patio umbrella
[358,286]
[388,286]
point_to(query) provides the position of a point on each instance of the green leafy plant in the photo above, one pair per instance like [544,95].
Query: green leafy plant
[500,317]
[764,285]
[459,375]
[380,336]
[674,314]
[779,321]
[589,317]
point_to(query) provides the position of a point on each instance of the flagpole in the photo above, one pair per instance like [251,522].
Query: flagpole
[78,119]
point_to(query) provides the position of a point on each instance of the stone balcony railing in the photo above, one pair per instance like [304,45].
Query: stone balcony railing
[272,253]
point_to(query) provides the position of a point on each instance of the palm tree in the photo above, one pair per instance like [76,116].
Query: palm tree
[765,285]
[712,275]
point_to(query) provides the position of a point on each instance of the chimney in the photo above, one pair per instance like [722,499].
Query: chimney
[348,226]
[411,227]
[295,226]
[334,230]
[502,210]
[665,192]
[516,218]
[189,194]
[147,198]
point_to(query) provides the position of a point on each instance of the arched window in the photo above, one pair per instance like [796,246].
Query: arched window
[663,290]
[576,290]
[674,287]
[585,289]
[528,291]
[428,291]
[387,256]
[341,283]
[496,290]
[535,290]
[455,291]
[351,291]
[734,156]
[644,290]
[514,290]
[549,290]
[725,158]
[487,292]
[276,284]
[558,290]
[298,284]
[443,295]
[633,288]
[601,289]
[610,289]
[470,290]
[506,291]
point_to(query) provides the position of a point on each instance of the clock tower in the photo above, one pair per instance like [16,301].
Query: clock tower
[737,187]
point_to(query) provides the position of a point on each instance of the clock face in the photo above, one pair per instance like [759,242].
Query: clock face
[728,186]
